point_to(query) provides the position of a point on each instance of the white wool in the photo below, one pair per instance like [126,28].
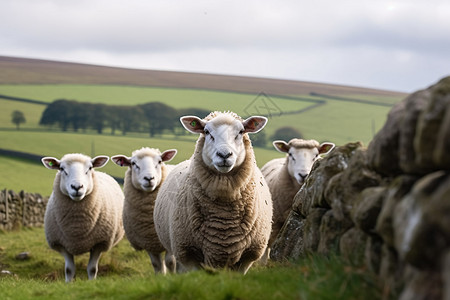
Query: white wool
[207,217]
[75,225]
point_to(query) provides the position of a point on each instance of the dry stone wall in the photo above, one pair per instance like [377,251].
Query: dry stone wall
[22,209]
[386,206]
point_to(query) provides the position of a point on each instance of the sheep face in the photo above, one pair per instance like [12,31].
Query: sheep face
[301,156]
[223,149]
[76,173]
[145,165]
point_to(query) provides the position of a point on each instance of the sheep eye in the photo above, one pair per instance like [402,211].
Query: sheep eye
[135,165]
[159,162]
[240,133]
[206,131]
[62,170]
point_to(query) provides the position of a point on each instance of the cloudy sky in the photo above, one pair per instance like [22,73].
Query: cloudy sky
[400,45]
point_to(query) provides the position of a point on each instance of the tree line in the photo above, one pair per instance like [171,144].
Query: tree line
[155,118]
[152,117]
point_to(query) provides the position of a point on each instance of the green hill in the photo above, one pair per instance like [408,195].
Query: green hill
[339,114]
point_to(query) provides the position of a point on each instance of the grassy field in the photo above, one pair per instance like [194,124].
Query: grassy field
[126,274]
[34,177]
[336,121]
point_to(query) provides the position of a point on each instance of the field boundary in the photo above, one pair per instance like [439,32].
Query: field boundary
[5,97]
[339,98]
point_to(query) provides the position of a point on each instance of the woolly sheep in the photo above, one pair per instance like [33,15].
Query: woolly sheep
[285,176]
[143,179]
[84,212]
[215,210]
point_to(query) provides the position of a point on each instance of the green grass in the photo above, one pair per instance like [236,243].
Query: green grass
[126,274]
[339,122]
[31,111]
[336,121]
[32,177]
[127,95]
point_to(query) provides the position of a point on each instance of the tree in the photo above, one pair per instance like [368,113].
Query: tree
[259,139]
[159,117]
[18,118]
[59,112]
[286,134]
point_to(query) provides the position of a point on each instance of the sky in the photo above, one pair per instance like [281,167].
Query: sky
[399,45]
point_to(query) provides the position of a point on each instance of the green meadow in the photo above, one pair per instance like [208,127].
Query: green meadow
[335,120]
[127,274]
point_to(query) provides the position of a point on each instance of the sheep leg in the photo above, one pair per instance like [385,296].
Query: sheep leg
[92,267]
[171,262]
[69,267]
[265,258]
[157,262]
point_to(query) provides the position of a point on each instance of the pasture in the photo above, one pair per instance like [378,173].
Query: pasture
[326,120]
[126,274]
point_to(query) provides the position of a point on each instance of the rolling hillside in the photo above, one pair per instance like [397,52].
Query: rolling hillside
[33,71]
[324,112]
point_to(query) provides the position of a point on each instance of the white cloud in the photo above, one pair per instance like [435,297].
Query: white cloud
[397,45]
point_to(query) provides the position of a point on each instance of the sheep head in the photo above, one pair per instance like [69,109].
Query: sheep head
[301,156]
[76,173]
[145,165]
[224,147]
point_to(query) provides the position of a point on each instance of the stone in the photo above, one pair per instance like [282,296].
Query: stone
[365,213]
[386,141]
[415,104]
[372,254]
[311,194]
[289,242]
[421,221]
[446,276]
[311,232]
[331,229]
[431,128]
[423,285]
[352,245]
[397,189]
[23,256]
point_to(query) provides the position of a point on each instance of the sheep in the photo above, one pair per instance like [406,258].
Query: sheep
[143,179]
[215,209]
[84,211]
[285,176]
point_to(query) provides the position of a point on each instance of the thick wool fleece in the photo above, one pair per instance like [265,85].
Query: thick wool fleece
[95,220]
[138,215]
[206,218]
[282,188]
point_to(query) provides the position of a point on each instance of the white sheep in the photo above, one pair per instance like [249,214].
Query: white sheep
[215,210]
[146,172]
[285,176]
[84,212]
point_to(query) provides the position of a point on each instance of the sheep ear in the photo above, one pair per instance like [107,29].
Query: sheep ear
[51,163]
[281,146]
[168,154]
[325,148]
[254,124]
[121,160]
[99,161]
[193,124]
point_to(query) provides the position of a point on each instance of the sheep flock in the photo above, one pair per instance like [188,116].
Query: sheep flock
[216,209]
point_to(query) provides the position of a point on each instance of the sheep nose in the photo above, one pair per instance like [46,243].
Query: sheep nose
[149,178]
[302,176]
[76,187]
[224,155]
